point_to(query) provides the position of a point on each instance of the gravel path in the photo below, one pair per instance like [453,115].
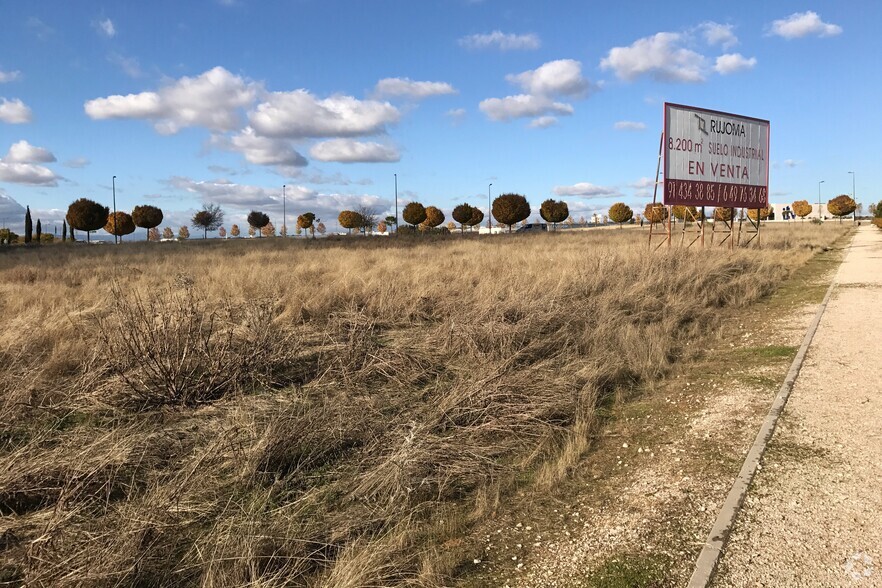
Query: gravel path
[813,516]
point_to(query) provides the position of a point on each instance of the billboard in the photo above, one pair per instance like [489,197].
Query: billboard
[715,158]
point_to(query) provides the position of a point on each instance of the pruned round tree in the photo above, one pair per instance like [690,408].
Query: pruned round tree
[655,213]
[477,217]
[257,220]
[208,219]
[306,222]
[685,213]
[462,213]
[414,214]
[234,231]
[87,215]
[434,217]
[620,213]
[722,214]
[759,214]
[349,219]
[554,211]
[510,209]
[146,216]
[801,208]
[842,205]
[119,223]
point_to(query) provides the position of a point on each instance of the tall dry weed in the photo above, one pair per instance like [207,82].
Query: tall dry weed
[340,415]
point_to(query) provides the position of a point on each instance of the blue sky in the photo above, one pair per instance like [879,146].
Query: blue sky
[227,100]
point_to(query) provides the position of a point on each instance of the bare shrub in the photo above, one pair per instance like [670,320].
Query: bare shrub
[171,348]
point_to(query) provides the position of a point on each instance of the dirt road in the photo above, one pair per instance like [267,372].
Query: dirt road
[813,516]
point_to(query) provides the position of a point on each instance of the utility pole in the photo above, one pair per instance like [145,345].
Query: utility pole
[284,215]
[115,238]
[489,213]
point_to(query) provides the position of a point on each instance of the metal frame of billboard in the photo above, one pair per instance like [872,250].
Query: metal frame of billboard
[725,229]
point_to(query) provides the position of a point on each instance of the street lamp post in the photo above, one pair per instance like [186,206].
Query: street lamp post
[114,212]
[854,216]
[396,204]
[284,213]
[819,199]
[489,212]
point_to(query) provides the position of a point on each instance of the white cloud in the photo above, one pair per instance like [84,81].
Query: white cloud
[629,125]
[39,28]
[299,199]
[19,165]
[129,65]
[337,179]
[501,41]
[265,150]
[660,56]
[643,188]
[9,207]
[227,193]
[14,111]
[586,190]
[106,27]
[456,115]
[24,152]
[12,213]
[299,114]
[9,76]
[349,151]
[715,33]
[407,88]
[77,162]
[792,162]
[561,77]
[732,63]
[27,173]
[211,100]
[522,106]
[802,24]
[543,122]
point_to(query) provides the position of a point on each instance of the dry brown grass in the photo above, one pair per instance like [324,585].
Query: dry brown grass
[334,413]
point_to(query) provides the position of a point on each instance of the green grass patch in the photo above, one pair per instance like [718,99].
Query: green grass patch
[632,571]
[769,352]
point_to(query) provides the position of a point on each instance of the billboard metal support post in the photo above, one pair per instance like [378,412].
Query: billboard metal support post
[667,233]
[696,223]
[753,230]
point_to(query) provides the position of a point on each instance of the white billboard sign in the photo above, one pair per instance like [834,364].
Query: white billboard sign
[715,158]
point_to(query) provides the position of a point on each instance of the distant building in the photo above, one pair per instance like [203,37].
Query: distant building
[780,207]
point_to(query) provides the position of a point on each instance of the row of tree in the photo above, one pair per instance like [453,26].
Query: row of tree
[840,206]
[508,210]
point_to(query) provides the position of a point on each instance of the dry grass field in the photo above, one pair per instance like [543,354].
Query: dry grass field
[333,413]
